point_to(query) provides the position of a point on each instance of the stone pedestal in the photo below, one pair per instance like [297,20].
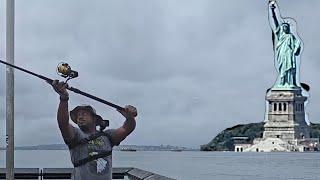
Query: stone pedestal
[286,115]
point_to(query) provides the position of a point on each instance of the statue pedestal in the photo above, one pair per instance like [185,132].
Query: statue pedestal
[286,115]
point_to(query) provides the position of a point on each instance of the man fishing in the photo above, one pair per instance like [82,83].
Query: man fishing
[90,150]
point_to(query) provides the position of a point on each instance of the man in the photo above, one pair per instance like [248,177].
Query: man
[90,149]
[286,46]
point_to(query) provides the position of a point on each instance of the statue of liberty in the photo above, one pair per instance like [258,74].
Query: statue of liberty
[287,47]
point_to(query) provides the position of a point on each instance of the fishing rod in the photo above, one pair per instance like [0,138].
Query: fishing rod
[64,70]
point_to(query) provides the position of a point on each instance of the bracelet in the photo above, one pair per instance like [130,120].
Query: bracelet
[64,98]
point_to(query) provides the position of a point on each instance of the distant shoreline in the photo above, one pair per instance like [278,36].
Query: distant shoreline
[116,148]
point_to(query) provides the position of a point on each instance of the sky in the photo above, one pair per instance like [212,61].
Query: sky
[192,68]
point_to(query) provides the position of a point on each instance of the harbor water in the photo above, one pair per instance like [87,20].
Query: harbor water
[192,165]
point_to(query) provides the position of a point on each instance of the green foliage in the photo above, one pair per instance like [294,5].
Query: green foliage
[315,130]
[224,142]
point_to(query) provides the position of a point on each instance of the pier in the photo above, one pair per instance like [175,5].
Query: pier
[65,173]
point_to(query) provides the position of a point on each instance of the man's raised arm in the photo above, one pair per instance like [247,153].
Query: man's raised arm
[66,129]
[128,126]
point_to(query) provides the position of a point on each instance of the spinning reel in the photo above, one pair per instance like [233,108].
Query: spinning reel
[64,70]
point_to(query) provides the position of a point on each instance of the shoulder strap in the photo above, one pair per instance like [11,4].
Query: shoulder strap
[91,158]
[74,144]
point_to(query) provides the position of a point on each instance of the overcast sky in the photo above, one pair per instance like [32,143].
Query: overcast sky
[192,68]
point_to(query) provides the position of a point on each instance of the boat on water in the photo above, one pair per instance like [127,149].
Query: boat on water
[176,150]
[128,149]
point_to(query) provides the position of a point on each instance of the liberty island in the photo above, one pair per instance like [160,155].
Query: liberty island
[285,127]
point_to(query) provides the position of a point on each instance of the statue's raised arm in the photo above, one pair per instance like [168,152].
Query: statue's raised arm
[287,47]
[274,15]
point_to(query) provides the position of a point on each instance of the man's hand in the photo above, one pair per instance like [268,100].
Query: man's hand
[129,112]
[60,88]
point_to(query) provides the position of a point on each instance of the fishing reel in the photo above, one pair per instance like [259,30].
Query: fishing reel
[64,70]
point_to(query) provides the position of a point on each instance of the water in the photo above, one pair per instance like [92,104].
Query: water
[193,165]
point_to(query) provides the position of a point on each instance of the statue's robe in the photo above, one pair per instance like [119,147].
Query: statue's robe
[286,47]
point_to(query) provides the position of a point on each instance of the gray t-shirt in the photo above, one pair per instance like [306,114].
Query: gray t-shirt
[100,169]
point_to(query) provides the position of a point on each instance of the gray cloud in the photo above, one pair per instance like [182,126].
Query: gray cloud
[192,68]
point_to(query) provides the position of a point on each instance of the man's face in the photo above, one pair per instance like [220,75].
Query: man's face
[286,28]
[84,119]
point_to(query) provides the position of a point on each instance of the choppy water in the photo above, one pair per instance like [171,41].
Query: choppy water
[194,165]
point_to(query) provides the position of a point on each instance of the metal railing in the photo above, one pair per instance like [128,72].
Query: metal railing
[65,173]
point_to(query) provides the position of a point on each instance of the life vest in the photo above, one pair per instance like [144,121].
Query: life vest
[100,154]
